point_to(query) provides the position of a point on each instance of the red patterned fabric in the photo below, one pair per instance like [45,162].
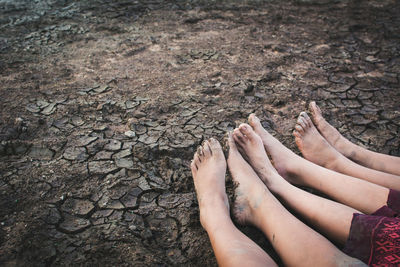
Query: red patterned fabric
[375,238]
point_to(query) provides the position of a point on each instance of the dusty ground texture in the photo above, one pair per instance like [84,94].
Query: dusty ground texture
[104,102]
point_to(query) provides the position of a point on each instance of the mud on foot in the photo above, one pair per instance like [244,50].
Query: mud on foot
[283,159]
[312,145]
[208,169]
[252,149]
[249,189]
[334,138]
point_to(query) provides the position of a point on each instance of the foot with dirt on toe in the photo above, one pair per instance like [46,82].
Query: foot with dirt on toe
[208,169]
[332,136]
[313,145]
[250,191]
[286,163]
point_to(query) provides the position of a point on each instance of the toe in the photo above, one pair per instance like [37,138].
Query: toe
[206,149]
[246,130]
[299,129]
[296,134]
[315,110]
[306,118]
[200,154]
[215,148]
[193,167]
[238,136]
[298,139]
[231,141]
[237,140]
[302,122]
[233,149]
[196,160]
[214,145]
[254,121]
[312,105]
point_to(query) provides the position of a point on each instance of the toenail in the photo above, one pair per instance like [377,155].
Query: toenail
[253,116]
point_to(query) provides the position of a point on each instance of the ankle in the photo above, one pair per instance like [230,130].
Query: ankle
[267,175]
[347,148]
[261,207]
[298,172]
[336,163]
[212,227]
[209,203]
[293,168]
[279,185]
[212,221]
[214,209]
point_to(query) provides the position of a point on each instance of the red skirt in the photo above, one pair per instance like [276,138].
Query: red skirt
[375,238]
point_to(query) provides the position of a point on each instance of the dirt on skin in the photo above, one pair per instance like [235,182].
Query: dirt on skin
[103,104]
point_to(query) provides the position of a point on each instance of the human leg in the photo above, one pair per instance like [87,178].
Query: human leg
[231,247]
[365,157]
[356,193]
[296,243]
[332,218]
[316,149]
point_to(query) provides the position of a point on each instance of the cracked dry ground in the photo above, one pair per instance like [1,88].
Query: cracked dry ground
[104,103]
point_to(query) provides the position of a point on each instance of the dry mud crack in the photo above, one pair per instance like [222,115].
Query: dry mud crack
[103,104]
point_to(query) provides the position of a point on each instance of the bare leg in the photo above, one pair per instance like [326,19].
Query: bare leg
[316,149]
[296,243]
[356,193]
[231,247]
[333,218]
[367,158]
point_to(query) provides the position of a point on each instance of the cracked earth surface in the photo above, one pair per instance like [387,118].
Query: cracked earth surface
[103,104]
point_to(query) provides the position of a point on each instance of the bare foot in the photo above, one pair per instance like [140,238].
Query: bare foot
[312,145]
[252,149]
[208,169]
[283,159]
[249,190]
[329,132]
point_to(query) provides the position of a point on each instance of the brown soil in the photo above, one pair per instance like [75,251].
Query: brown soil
[103,104]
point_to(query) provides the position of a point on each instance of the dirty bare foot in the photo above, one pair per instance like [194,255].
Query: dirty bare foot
[334,138]
[252,149]
[362,156]
[283,159]
[208,169]
[249,188]
[312,145]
